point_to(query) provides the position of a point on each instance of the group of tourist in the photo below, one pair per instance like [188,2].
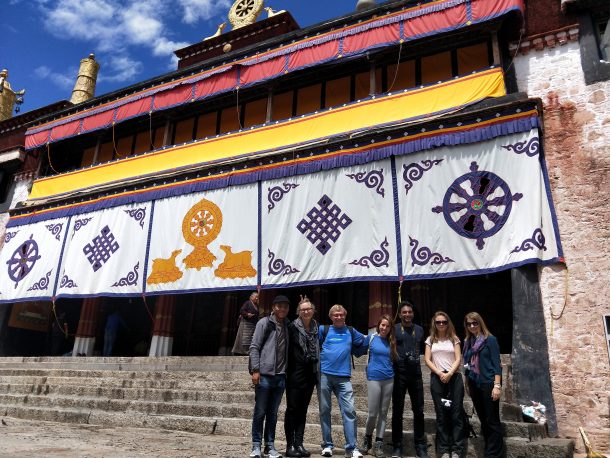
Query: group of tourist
[297,356]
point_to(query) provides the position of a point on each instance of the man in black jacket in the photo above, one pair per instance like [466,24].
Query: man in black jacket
[408,377]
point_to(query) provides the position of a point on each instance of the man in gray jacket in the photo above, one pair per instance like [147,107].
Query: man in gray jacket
[268,361]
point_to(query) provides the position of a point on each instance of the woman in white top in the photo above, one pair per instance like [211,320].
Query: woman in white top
[443,356]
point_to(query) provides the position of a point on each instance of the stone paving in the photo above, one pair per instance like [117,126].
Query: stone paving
[27,438]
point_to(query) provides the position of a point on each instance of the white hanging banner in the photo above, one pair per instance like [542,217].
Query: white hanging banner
[29,258]
[329,226]
[204,241]
[105,252]
[475,208]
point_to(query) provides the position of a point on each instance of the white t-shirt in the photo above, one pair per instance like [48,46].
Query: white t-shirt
[442,353]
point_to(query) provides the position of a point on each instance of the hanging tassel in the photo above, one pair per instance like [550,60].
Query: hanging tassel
[49,158]
[399,299]
[152,320]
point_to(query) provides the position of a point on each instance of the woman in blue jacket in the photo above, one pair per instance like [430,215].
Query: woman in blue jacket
[484,380]
[380,382]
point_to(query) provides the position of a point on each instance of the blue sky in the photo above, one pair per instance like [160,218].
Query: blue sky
[43,41]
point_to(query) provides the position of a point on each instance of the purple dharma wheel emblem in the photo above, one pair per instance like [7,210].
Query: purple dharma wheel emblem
[477,204]
[23,259]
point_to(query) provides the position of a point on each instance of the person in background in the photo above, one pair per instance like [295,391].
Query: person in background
[248,317]
[443,356]
[484,380]
[302,375]
[114,323]
[407,377]
[380,382]
[269,360]
[336,343]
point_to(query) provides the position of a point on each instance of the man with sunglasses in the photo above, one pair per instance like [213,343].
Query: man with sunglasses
[408,377]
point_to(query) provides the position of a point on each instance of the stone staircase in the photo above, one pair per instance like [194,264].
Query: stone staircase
[207,395]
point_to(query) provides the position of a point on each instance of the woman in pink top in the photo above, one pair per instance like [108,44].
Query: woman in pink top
[443,356]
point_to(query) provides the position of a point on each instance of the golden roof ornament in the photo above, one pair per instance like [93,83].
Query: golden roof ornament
[245,12]
[84,87]
[221,27]
[9,99]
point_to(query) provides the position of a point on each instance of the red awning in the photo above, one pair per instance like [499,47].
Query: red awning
[408,24]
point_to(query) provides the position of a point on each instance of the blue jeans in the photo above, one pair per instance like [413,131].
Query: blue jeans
[267,398]
[342,388]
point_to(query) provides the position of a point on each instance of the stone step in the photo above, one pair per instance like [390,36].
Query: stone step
[516,447]
[217,409]
[237,394]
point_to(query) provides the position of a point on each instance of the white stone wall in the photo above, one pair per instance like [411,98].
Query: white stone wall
[577,148]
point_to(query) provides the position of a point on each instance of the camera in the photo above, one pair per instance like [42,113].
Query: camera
[311,359]
[412,357]
[446,403]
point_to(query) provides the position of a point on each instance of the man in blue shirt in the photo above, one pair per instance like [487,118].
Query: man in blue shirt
[408,377]
[335,373]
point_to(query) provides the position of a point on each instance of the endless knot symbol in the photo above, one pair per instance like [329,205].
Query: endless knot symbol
[101,248]
[324,225]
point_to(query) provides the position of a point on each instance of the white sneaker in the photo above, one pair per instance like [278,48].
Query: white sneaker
[256,452]
[355,454]
[273,453]
[327,451]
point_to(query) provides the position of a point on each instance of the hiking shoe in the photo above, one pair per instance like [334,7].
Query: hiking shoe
[397,452]
[367,444]
[421,451]
[353,454]
[273,453]
[378,449]
[327,451]
[256,452]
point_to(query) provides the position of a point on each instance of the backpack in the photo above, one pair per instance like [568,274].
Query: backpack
[270,327]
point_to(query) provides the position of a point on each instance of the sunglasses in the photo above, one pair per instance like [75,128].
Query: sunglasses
[441,322]
[472,324]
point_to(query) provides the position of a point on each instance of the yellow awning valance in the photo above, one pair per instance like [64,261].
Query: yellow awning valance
[404,106]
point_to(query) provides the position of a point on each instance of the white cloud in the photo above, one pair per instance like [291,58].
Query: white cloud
[195,10]
[119,69]
[165,47]
[64,81]
[118,29]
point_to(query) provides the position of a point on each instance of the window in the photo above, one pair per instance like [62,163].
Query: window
[309,99]
[206,124]
[337,92]
[282,105]
[184,131]
[255,112]
[7,184]
[594,41]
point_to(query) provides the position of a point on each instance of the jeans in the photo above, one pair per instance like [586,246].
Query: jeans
[109,339]
[408,379]
[379,396]
[342,388]
[488,412]
[450,433]
[297,401]
[267,398]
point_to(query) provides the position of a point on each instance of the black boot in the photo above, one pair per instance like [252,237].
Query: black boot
[303,451]
[367,443]
[292,451]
